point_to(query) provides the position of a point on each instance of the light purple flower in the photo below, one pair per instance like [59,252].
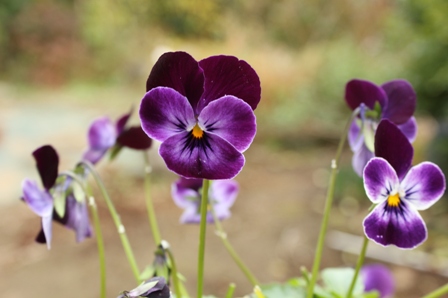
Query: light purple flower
[187,195]
[399,190]
[155,287]
[394,100]
[104,134]
[202,112]
[377,277]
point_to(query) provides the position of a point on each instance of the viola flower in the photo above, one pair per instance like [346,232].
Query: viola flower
[202,112]
[155,287]
[104,134]
[187,194]
[399,190]
[377,277]
[394,100]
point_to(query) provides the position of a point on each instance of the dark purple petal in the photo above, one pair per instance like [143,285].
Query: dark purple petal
[40,201]
[179,71]
[424,185]
[208,158]
[165,112]
[409,129]
[392,145]
[47,162]
[355,137]
[377,277]
[121,122]
[231,119]
[78,218]
[401,226]
[135,138]
[380,180]
[360,158]
[226,75]
[401,101]
[361,91]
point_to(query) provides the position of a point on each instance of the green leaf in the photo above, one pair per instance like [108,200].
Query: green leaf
[337,281]
[78,192]
[147,273]
[294,288]
[59,196]
[369,136]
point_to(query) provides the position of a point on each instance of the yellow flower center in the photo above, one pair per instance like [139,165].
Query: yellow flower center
[197,132]
[393,200]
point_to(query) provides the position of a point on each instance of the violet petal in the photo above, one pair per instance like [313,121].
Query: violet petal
[184,196]
[377,277]
[355,137]
[360,158]
[48,229]
[401,101]
[361,91]
[47,162]
[135,138]
[424,185]
[40,201]
[78,218]
[409,129]
[380,180]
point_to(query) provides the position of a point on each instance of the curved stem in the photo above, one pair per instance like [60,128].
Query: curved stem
[230,290]
[202,231]
[174,273]
[358,266]
[438,292]
[116,218]
[328,205]
[149,205]
[100,244]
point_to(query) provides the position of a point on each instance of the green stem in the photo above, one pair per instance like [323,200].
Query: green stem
[223,236]
[202,231]
[118,224]
[438,292]
[230,291]
[174,271]
[358,266]
[100,244]
[328,205]
[149,205]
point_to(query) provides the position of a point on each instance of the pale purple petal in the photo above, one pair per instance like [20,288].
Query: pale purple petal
[401,101]
[93,155]
[184,197]
[191,214]
[209,157]
[380,180]
[355,137]
[401,226]
[409,129]
[78,218]
[47,162]
[48,229]
[360,158]
[424,185]
[361,91]
[102,133]
[165,112]
[40,201]
[226,75]
[231,119]
[377,277]
[224,193]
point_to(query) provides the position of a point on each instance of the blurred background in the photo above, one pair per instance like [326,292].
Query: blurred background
[65,62]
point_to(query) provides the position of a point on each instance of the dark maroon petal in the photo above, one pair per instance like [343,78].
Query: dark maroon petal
[180,71]
[401,101]
[361,91]
[392,145]
[208,158]
[121,122]
[134,138]
[226,75]
[47,162]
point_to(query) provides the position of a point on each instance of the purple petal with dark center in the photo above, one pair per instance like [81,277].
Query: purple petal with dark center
[226,75]
[424,185]
[392,145]
[40,201]
[377,277]
[208,158]
[121,122]
[401,226]
[135,138]
[355,138]
[401,101]
[78,218]
[47,162]
[409,129]
[361,91]
[231,119]
[380,180]
[179,71]
[165,112]
[360,158]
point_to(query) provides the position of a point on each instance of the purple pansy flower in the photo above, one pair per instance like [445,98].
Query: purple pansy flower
[187,195]
[377,277]
[155,287]
[399,190]
[104,134]
[202,112]
[394,100]
[42,203]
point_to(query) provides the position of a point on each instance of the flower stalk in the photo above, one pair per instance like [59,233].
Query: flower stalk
[438,292]
[149,204]
[202,232]
[100,244]
[176,282]
[359,264]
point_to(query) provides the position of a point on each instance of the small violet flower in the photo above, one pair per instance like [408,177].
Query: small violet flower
[399,190]
[42,203]
[377,277]
[394,100]
[155,287]
[104,134]
[202,112]
[187,195]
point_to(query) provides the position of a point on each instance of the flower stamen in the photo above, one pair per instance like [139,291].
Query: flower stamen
[393,200]
[197,132]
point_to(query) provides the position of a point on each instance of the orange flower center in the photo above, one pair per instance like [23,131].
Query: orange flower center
[197,132]
[393,200]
